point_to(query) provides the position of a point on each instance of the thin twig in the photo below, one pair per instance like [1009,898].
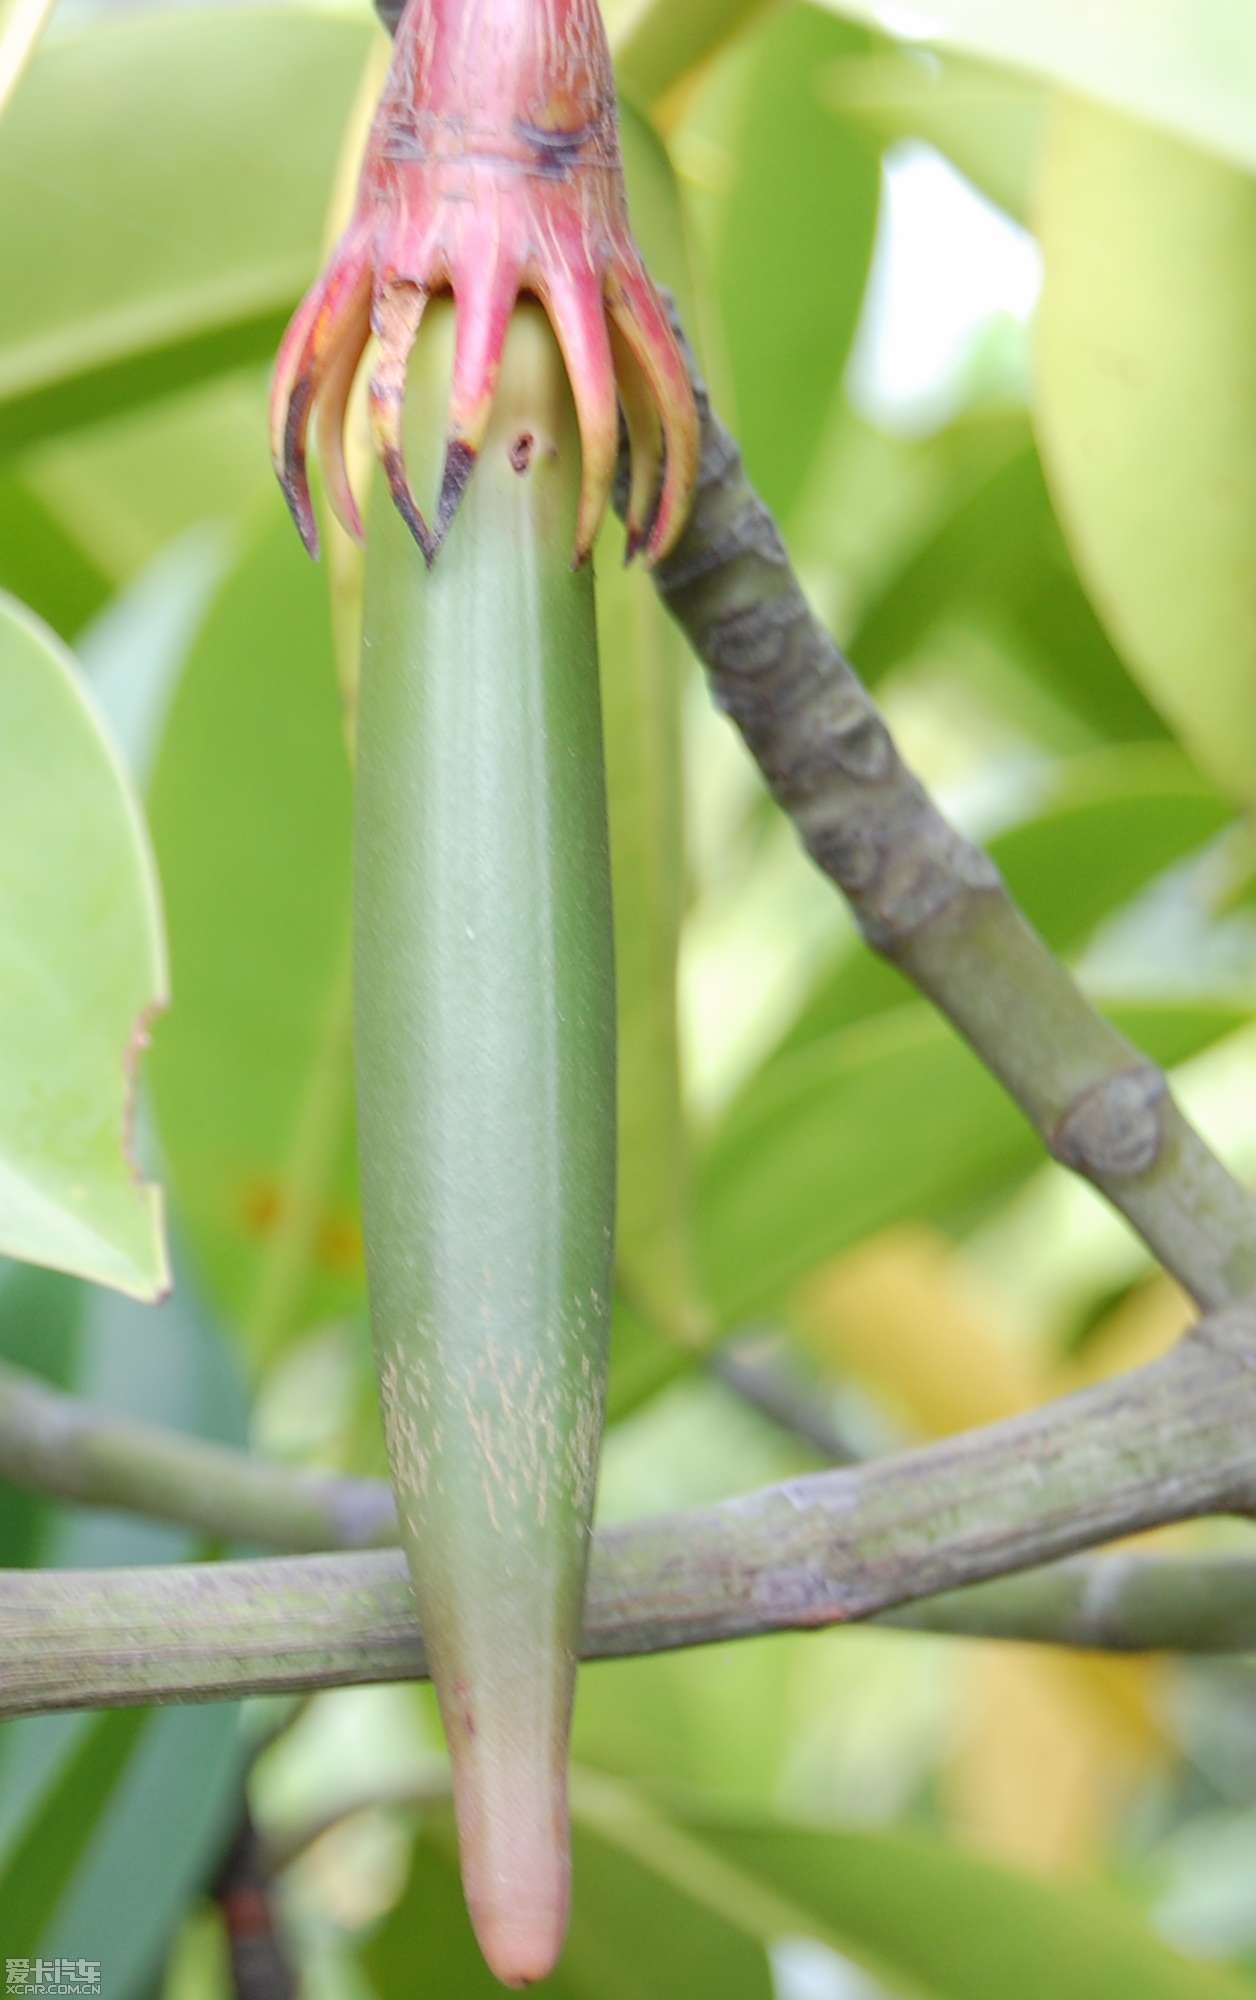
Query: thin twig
[56,1444]
[403,1794]
[261,1967]
[778,1396]
[1166,1443]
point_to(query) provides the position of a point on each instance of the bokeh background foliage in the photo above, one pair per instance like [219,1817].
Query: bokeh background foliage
[980,309]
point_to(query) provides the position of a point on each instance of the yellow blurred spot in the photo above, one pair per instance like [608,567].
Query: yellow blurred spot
[1050,1748]
[902,1317]
[1145,1325]
[261,1206]
[339,1249]
[1050,1745]
[337,1244]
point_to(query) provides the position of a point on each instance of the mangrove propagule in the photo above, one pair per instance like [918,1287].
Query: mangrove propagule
[483,945]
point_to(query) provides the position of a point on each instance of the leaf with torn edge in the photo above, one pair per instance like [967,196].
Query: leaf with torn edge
[82,973]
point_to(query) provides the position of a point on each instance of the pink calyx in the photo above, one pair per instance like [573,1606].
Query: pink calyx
[492,169]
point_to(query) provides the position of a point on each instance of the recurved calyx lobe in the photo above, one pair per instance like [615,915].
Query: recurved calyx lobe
[493,168]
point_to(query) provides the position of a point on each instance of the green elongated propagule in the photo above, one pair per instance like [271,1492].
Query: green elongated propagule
[485,1034]
[483,940]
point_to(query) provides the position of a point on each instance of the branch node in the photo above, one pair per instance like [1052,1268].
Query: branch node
[1115,1129]
[750,533]
[751,639]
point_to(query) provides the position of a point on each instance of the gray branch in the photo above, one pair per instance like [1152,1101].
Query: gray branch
[1166,1443]
[58,1445]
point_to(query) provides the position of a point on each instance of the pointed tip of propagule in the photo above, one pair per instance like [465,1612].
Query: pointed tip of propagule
[515,1849]
[522,1927]
[519,1952]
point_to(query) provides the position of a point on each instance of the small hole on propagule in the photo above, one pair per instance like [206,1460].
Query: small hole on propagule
[521,451]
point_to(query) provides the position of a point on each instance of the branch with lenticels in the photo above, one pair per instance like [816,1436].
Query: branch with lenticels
[1169,1442]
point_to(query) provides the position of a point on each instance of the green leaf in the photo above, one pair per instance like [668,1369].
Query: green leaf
[634,1934]
[109,1823]
[40,1315]
[890,1119]
[654,199]
[1146,410]
[914,1910]
[990,123]
[642,666]
[958,1926]
[995,552]
[643,660]
[42,563]
[41,1866]
[670,1718]
[1102,827]
[128,486]
[22,22]
[1186,65]
[1107,826]
[167,179]
[662,45]
[799,219]
[82,972]
[250,806]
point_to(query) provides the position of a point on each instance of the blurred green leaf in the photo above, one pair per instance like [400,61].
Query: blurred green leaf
[251,1073]
[1107,826]
[134,651]
[890,1119]
[996,552]
[939,1921]
[38,1868]
[82,971]
[127,486]
[663,45]
[22,22]
[799,218]
[109,1823]
[643,663]
[673,1718]
[42,564]
[1147,412]
[634,1935]
[645,1358]
[1187,65]
[990,123]
[654,197]
[1100,829]
[167,178]
[40,1315]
